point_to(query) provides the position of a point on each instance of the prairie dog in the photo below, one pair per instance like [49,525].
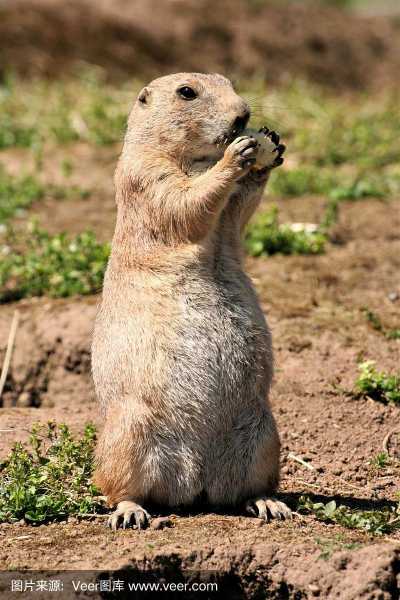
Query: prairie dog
[182,359]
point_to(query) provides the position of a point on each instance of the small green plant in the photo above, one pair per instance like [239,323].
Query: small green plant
[378,385]
[373,319]
[393,334]
[380,461]
[49,479]
[265,236]
[66,167]
[377,522]
[353,190]
[18,193]
[56,266]
[376,323]
[330,216]
[335,544]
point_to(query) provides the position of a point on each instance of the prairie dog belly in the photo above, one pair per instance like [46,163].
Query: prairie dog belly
[223,371]
[185,380]
[220,366]
[200,345]
[225,341]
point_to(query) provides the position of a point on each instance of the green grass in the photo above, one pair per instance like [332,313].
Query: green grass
[312,180]
[322,130]
[55,266]
[359,188]
[343,149]
[380,460]
[326,130]
[332,131]
[49,478]
[84,107]
[265,236]
[301,181]
[340,148]
[376,522]
[377,384]
[19,192]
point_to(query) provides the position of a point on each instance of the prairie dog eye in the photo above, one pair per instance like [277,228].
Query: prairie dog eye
[187,93]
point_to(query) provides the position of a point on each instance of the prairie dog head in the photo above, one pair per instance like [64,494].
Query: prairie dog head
[189,115]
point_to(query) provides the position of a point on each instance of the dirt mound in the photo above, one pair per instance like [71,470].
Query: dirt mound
[261,571]
[129,37]
[245,559]
[51,354]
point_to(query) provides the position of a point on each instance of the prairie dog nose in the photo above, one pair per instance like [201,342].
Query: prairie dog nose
[239,124]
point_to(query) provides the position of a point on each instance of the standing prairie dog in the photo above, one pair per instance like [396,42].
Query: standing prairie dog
[182,358]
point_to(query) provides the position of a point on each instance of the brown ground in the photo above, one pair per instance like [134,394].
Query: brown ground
[275,40]
[320,333]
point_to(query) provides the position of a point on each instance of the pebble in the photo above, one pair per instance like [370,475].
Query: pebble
[46,540]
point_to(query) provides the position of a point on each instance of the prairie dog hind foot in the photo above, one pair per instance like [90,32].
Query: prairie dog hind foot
[267,508]
[122,516]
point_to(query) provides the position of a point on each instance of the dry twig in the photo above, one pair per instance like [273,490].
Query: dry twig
[385,443]
[9,350]
[301,461]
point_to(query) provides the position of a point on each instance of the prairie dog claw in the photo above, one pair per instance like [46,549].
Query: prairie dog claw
[122,516]
[267,508]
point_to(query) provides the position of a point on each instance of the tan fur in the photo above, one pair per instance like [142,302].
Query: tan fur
[182,358]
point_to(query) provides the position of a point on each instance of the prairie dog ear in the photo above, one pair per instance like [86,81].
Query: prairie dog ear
[144,96]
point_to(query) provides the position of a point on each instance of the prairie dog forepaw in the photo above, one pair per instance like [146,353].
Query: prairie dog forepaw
[123,514]
[268,508]
[241,154]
